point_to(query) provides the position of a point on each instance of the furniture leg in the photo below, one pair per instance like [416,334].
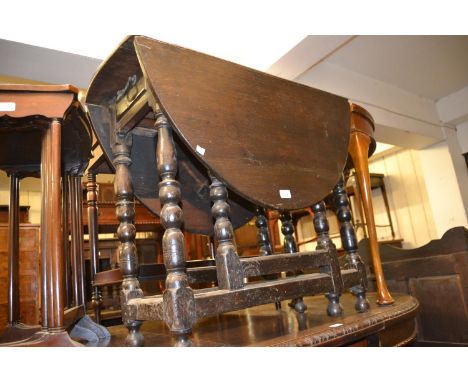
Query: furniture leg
[65,240]
[14,330]
[13,253]
[125,211]
[91,197]
[178,298]
[358,149]
[263,239]
[77,239]
[53,332]
[349,242]
[324,242]
[387,208]
[228,265]
[290,246]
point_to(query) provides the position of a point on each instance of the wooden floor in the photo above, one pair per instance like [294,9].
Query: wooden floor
[266,326]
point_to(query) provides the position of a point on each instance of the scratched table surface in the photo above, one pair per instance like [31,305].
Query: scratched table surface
[265,326]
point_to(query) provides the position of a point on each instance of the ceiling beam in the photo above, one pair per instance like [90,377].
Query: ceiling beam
[453,109]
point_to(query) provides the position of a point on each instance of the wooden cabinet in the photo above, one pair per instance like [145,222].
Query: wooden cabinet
[29,279]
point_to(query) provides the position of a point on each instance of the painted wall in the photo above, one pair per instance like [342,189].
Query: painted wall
[410,205]
[443,190]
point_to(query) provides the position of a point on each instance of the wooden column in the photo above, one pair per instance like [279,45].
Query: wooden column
[179,301]
[126,232]
[290,246]
[263,237]
[52,227]
[77,239]
[65,239]
[349,243]
[91,198]
[360,141]
[324,242]
[13,252]
[228,265]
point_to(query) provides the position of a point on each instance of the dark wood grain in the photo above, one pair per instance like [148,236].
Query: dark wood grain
[210,100]
[265,326]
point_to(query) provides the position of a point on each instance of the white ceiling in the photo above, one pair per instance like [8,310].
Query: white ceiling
[429,66]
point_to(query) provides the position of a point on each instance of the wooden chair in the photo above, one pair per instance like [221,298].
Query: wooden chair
[207,125]
[45,131]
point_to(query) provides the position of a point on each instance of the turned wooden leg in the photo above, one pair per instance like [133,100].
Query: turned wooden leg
[77,239]
[264,243]
[263,236]
[51,176]
[14,330]
[349,242]
[333,269]
[65,239]
[126,232]
[228,265]
[358,149]
[91,198]
[178,298]
[290,246]
[13,253]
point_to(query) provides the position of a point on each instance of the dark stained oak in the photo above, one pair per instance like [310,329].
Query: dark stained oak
[257,139]
[265,326]
[210,101]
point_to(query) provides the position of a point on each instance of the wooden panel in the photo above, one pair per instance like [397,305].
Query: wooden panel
[29,274]
[409,206]
[443,314]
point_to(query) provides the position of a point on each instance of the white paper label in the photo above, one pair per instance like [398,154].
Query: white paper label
[335,325]
[200,150]
[285,194]
[7,106]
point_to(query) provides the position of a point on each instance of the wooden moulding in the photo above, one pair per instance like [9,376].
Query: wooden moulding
[214,301]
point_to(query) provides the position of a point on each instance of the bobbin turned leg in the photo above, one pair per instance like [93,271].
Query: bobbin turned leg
[91,198]
[125,210]
[178,298]
[264,243]
[263,236]
[228,265]
[349,241]
[290,246]
[324,242]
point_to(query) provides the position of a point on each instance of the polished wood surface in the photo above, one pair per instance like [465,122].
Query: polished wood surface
[265,326]
[210,101]
[437,275]
[45,130]
[361,143]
